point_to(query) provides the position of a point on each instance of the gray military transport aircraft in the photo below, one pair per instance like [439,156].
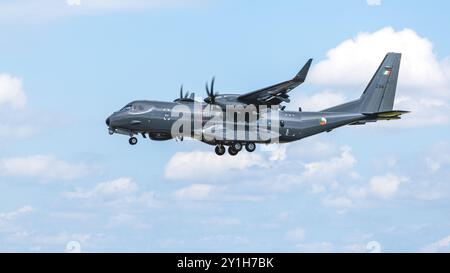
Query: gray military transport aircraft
[264,120]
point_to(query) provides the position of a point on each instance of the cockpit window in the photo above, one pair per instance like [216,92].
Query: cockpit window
[138,107]
[126,108]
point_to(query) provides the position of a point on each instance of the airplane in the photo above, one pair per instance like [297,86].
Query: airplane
[156,119]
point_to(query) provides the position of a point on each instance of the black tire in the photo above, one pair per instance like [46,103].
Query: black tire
[250,147]
[232,151]
[237,146]
[133,141]
[220,150]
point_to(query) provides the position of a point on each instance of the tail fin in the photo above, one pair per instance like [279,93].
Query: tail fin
[380,93]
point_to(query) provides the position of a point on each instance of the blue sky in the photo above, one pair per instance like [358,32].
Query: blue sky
[65,66]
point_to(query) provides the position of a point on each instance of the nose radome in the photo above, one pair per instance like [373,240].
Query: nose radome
[107,121]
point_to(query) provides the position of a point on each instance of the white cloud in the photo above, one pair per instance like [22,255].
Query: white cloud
[424,81]
[313,148]
[373,2]
[297,234]
[277,151]
[16,131]
[386,186]
[61,241]
[118,187]
[8,216]
[197,165]
[43,167]
[330,168]
[316,174]
[197,192]
[118,193]
[11,92]
[338,202]
[439,246]
[354,61]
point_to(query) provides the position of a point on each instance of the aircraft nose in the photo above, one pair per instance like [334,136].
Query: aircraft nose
[108,121]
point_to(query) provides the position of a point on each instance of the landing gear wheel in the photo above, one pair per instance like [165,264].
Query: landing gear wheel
[220,150]
[237,146]
[250,147]
[133,141]
[232,151]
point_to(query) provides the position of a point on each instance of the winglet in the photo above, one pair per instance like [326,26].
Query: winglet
[301,76]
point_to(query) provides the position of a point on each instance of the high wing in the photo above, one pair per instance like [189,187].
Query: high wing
[277,93]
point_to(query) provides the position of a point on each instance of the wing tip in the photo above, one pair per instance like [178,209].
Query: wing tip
[301,76]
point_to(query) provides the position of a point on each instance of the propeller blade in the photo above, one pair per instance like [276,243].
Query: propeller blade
[187,94]
[181,92]
[192,96]
[207,89]
[212,85]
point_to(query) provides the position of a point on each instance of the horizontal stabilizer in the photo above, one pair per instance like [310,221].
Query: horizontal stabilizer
[388,115]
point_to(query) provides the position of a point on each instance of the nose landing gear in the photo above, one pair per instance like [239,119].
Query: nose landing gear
[133,141]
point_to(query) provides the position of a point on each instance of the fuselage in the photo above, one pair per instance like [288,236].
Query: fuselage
[156,119]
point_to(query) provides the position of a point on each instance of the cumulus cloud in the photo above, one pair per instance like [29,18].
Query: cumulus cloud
[424,81]
[197,192]
[116,187]
[8,216]
[315,173]
[386,186]
[43,167]
[442,245]
[192,165]
[277,151]
[11,92]
[119,192]
[354,61]
[331,167]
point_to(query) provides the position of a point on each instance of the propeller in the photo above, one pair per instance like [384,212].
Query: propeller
[185,96]
[210,92]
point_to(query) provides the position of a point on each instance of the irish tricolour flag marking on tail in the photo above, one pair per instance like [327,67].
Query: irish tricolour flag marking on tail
[387,71]
[323,121]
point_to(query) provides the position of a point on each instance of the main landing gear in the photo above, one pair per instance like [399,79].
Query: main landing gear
[235,148]
[232,151]
[220,150]
[250,147]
